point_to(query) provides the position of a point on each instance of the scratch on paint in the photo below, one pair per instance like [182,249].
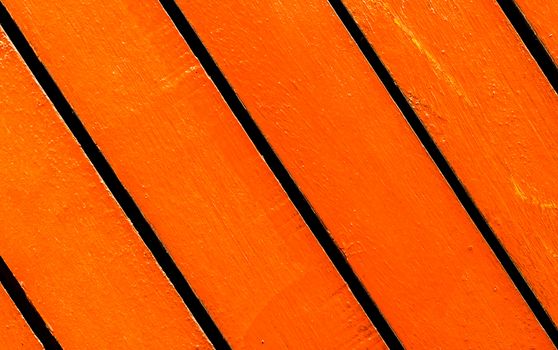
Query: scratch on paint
[440,71]
[532,199]
[170,83]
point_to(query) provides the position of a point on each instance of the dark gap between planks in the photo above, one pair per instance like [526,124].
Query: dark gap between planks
[446,170]
[295,195]
[108,175]
[531,41]
[26,308]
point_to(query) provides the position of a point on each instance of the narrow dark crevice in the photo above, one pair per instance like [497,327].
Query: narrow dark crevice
[310,217]
[531,41]
[108,175]
[26,308]
[446,170]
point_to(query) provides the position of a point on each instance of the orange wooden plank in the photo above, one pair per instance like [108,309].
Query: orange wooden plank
[491,111]
[358,162]
[66,240]
[14,331]
[194,173]
[543,17]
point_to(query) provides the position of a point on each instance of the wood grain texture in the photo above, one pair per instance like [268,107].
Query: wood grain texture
[194,173]
[15,333]
[367,176]
[543,17]
[490,110]
[78,258]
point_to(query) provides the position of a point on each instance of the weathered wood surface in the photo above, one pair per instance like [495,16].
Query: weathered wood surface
[233,232]
[542,15]
[195,175]
[15,333]
[66,240]
[363,170]
[491,111]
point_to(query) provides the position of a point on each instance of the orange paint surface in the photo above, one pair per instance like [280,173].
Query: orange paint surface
[367,176]
[490,110]
[66,240]
[543,17]
[14,331]
[195,174]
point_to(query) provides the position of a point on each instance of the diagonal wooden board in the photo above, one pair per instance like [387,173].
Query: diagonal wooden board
[542,15]
[66,240]
[194,173]
[14,331]
[491,111]
[365,173]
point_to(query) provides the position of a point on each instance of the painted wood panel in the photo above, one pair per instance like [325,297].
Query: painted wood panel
[356,159]
[194,173]
[490,110]
[15,333]
[66,240]
[543,17]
